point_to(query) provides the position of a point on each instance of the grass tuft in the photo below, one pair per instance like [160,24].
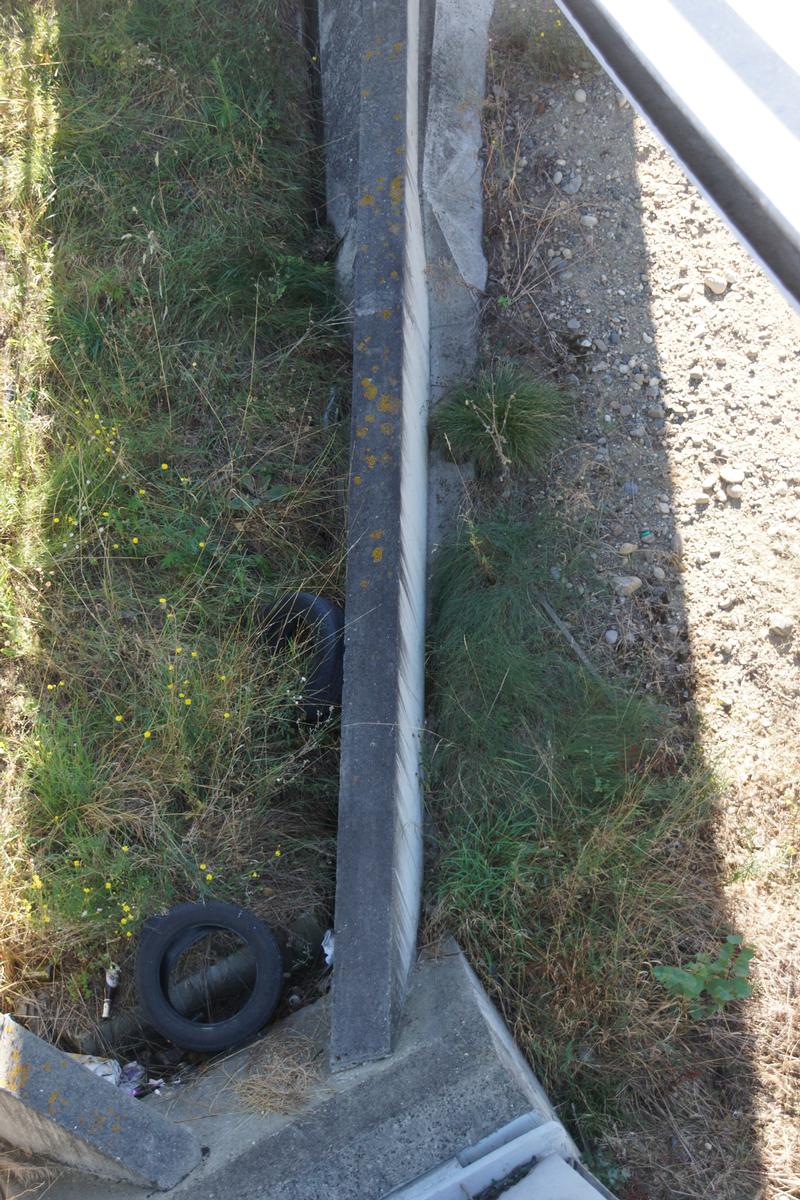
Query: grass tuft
[506,417]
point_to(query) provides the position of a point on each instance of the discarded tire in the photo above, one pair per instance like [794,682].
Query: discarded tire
[163,939]
[323,687]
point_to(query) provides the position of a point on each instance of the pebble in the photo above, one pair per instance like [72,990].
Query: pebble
[684,293]
[573,185]
[580,95]
[660,574]
[601,345]
[574,324]
[626,585]
[780,624]
[612,636]
[715,550]
[589,221]
[627,548]
[716,282]
[734,491]
[709,483]
[696,375]
[630,487]
[677,542]
[731,474]
[558,176]
[702,500]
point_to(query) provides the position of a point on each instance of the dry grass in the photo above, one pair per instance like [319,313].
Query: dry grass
[283,1072]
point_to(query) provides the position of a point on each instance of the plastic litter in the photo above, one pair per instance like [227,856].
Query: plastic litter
[131,1079]
[104,1068]
[327,947]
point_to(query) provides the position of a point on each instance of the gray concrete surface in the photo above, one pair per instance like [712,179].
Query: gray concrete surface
[454,1078]
[452,183]
[379,854]
[52,1106]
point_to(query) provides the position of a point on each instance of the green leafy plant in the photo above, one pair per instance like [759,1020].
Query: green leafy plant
[711,983]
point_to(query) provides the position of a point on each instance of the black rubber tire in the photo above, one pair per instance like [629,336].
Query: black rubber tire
[161,941]
[323,687]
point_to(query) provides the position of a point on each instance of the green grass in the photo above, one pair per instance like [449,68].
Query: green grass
[540,39]
[568,828]
[506,417]
[168,342]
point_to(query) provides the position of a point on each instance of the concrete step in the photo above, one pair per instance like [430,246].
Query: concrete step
[455,1078]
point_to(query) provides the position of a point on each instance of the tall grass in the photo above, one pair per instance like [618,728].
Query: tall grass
[169,341]
[567,831]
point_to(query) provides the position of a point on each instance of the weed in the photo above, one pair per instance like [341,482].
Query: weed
[506,417]
[711,982]
[540,39]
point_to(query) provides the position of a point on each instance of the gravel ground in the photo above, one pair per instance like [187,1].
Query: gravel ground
[611,270]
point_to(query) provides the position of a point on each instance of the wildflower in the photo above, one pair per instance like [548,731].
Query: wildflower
[254,874]
[125,849]
[170,687]
[86,891]
[61,683]
[128,933]
[105,514]
[194,654]
[226,715]
[36,882]
[165,466]
[142,492]
[162,599]
[76,862]
[126,908]
[223,678]
[202,866]
[277,853]
[181,695]
[51,687]
[118,717]
[116,545]
[202,545]
[188,700]
[56,520]
[171,667]
[147,733]
[209,876]
[179,649]
[107,886]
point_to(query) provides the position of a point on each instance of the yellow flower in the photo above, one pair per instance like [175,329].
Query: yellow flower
[76,862]
[126,908]
[123,920]
[223,678]
[202,866]
[277,853]
[118,717]
[141,491]
[171,667]
[181,695]
[170,686]
[61,683]
[135,541]
[116,546]
[165,466]
[209,876]
[188,700]
[104,514]
[194,654]
[128,933]
[36,882]
[46,918]
[162,599]
[179,649]
[226,715]
[51,687]
[254,874]
[86,891]
[107,886]
[147,733]
[202,545]
[56,520]
[125,849]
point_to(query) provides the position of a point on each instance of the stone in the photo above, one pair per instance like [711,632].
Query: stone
[696,375]
[627,548]
[702,500]
[677,542]
[685,292]
[612,636]
[626,585]
[573,185]
[716,282]
[660,574]
[781,624]
[709,483]
[589,221]
[580,95]
[574,324]
[731,474]
[734,491]
[557,177]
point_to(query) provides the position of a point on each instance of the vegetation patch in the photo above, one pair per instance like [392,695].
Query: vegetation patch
[168,345]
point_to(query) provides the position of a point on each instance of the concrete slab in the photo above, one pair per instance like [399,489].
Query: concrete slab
[51,1106]
[455,1077]
[452,186]
[379,844]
